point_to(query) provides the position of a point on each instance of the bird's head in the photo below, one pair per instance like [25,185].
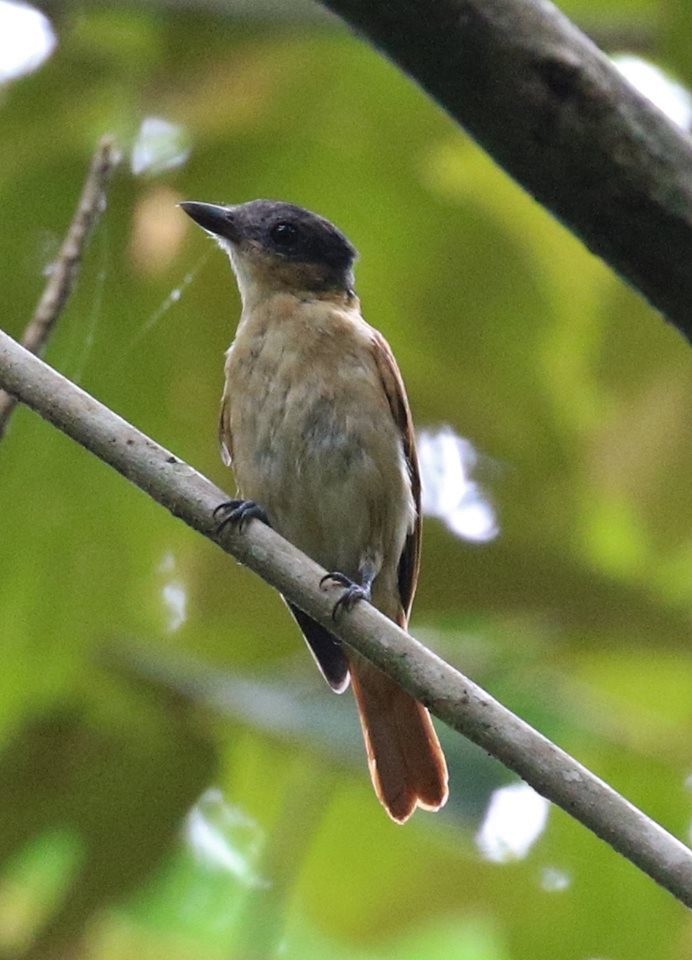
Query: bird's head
[276,246]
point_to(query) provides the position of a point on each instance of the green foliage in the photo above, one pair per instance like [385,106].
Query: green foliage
[180,783]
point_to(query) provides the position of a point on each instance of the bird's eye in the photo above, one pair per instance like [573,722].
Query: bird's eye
[284,234]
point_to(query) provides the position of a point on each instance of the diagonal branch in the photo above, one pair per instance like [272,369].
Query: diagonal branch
[449,695]
[551,109]
[65,270]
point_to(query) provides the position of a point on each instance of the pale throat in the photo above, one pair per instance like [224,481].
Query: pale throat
[251,292]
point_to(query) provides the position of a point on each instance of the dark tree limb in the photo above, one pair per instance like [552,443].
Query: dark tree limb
[551,109]
[64,271]
[450,696]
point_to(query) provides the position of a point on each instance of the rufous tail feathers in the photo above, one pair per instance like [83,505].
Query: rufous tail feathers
[406,761]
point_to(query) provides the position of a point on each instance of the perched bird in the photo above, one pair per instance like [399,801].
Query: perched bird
[316,425]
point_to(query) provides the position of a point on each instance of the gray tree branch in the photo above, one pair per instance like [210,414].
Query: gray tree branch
[551,109]
[65,270]
[450,696]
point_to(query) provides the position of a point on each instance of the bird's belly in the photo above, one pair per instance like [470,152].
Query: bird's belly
[328,467]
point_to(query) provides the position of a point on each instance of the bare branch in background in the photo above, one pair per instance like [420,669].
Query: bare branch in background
[64,271]
[549,107]
[449,695]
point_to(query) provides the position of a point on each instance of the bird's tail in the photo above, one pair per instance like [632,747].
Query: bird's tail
[406,761]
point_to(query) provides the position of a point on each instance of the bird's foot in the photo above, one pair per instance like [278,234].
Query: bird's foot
[238,512]
[353,592]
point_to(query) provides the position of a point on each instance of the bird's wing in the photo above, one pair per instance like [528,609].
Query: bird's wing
[395,392]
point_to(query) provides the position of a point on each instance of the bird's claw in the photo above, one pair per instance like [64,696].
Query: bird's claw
[353,592]
[238,512]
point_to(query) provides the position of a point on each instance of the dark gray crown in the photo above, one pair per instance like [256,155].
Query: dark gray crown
[294,233]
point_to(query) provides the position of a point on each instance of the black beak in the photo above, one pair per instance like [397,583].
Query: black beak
[213,218]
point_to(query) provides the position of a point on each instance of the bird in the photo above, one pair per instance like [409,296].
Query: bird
[316,426]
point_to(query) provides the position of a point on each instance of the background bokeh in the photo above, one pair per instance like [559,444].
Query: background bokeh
[175,778]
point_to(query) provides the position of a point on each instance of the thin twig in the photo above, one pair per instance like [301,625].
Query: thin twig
[64,271]
[449,695]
